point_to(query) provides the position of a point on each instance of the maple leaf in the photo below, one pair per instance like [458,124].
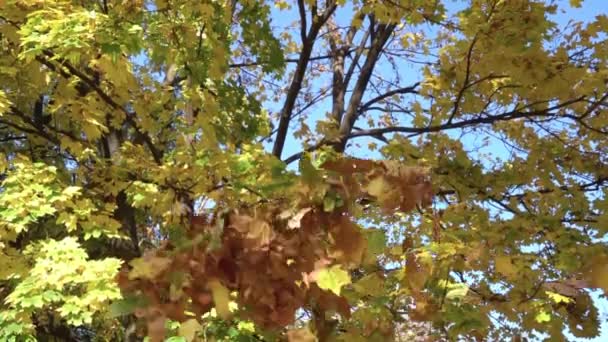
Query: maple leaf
[221,298]
[189,329]
[148,267]
[155,137]
[332,279]
[301,335]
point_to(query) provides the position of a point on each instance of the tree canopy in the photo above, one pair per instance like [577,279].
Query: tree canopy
[308,170]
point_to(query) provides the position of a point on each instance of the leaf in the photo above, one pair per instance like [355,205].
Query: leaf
[371,284]
[378,187]
[504,266]
[598,277]
[348,241]
[301,335]
[543,317]
[376,241]
[221,298]
[294,221]
[332,279]
[157,329]
[457,292]
[148,267]
[329,203]
[558,298]
[126,306]
[576,3]
[257,233]
[189,329]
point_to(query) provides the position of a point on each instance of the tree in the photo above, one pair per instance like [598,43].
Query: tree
[446,171]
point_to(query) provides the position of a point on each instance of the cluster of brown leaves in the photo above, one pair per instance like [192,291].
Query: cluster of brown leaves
[269,255]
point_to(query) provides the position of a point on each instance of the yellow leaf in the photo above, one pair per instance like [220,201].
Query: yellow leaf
[371,284]
[542,317]
[189,329]
[282,5]
[504,266]
[221,298]
[333,279]
[148,267]
[558,298]
[576,3]
[378,187]
[4,103]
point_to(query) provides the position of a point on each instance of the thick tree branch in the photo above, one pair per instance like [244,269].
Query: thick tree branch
[42,134]
[298,77]
[384,31]
[287,60]
[303,25]
[39,129]
[338,87]
[355,59]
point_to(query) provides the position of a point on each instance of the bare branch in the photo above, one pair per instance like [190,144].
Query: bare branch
[384,31]
[358,52]
[303,25]
[511,115]
[298,78]
[405,90]
[515,114]
[465,84]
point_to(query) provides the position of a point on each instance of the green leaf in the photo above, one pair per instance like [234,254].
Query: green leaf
[126,305]
[371,284]
[329,204]
[376,241]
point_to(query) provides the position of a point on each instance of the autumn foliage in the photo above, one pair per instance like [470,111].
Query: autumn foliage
[306,170]
[278,258]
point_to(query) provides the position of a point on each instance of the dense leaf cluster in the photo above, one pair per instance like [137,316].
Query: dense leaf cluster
[451,176]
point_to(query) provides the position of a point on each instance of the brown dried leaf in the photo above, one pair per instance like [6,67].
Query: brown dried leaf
[349,242]
[349,166]
[561,288]
[296,219]
[301,335]
[257,233]
[156,328]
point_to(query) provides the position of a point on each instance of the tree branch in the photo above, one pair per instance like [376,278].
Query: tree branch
[156,153]
[515,114]
[383,33]
[355,60]
[303,25]
[465,84]
[298,78]
[376,132]
[405,90]
[338,88]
